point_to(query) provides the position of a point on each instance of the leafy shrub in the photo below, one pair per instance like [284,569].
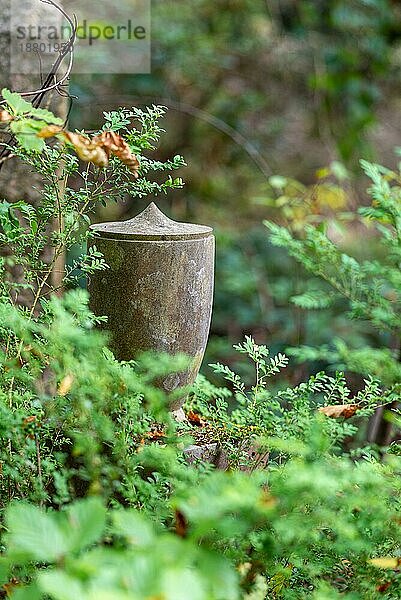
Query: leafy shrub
[314,519]
[372,287]
[249,417]
[97,499]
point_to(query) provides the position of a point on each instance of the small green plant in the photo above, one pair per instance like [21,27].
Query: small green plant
[243,421]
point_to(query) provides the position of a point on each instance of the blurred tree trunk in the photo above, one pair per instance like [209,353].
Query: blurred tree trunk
[16,180]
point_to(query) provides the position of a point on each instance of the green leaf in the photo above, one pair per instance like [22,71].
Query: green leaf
[313,299]
[7,213]
[19,107]
[61,586]
[86,520]
[16,103]
[34,535]
[25,131]
[29,213]
[30,592]
[133,526]
[46,115]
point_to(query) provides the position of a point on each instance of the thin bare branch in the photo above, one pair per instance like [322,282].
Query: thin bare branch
[186,108]
[5,158]
[50,82]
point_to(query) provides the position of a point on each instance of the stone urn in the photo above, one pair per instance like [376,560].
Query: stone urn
[158,290]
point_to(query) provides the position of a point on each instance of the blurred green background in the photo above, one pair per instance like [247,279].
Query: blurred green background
[255,89]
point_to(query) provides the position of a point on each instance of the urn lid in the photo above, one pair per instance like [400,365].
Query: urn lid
[151,224]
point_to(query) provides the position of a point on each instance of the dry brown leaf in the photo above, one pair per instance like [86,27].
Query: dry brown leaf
[98,149]
[336,411]
[386,562]
[65,385]
[153,436]
[49,131]
[110,141]
[5,116]
[384,587]
[181,525]
[87,150]
[196,419]
[9,587]
[99,157]
[115,144]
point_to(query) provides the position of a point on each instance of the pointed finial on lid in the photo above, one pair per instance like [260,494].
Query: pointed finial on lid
[151,224]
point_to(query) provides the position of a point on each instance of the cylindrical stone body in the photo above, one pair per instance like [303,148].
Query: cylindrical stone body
[158,290]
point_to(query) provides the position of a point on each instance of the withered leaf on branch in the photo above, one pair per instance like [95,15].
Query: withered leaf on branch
[196,419]
[336,411]
[153,436]
[97,149]
[115,144]
[8,587]
[49,131]
[181,524]
[87,150]
[5,116]
[65,385]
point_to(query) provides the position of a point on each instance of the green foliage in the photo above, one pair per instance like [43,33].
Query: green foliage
[256,282]
[355,39]
[320,519]
[25,231]
[97,499]
[72,417]
[140,559]
[249,418]
[65,401]
[28,121]
[371,286]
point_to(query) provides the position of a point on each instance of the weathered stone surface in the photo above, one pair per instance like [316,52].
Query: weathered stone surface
[204,453]
[152,224]
[158,291]
[211,453]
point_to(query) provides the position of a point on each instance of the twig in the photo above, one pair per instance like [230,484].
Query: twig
[3,160]
[212,120]
[50,82]
[68,49]
[39,461]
